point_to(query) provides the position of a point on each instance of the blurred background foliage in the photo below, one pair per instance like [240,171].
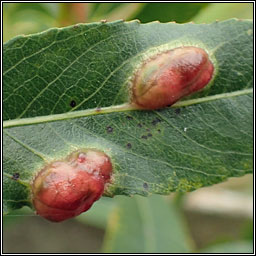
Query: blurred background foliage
[28,18]
[217,219]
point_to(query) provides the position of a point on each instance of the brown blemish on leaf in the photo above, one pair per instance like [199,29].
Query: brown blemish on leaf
[110,129]
[177,111]
[156,121]
[129,145]
[129,117]
[15,176]
[145,185]
[72,103]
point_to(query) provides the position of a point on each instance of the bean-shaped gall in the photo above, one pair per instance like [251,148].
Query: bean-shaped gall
[66,188]
[169,76]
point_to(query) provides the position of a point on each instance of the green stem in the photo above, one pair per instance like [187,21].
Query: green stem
[113,109]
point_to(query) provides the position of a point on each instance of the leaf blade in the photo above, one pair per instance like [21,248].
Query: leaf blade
[205,141]
[96,76]
[145,225]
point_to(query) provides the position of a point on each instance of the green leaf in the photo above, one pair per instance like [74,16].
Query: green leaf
[145,225]
[16,216]
[222,11]
[198,142]
[91,63]
[231,247]
[114,11]
[99,213]
[20,18]
[165,12]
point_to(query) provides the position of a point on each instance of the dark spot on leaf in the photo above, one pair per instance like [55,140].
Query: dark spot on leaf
[145,185]
[15,176]
[129,145]
[72,103]
[177,111]
[149,135]
[156,121]
[139,125]
[129,117]
[144,137]
[109,129]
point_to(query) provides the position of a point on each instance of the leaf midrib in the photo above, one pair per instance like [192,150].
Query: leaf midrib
[112,109]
